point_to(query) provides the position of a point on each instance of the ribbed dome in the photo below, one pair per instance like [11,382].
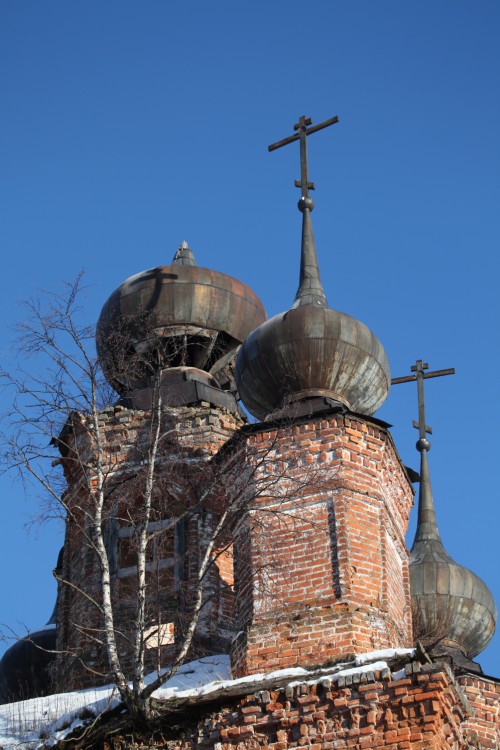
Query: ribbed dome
[176,316]
[311,350]
[452,607]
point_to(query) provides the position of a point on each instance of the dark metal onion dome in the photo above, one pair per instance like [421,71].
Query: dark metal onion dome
[453,608]
[26,668]
[175,316]
[311,350]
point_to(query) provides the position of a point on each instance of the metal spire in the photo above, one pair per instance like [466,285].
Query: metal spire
[310,291]
[427,525]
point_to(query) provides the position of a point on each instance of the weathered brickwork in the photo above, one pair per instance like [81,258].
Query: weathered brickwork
[321,565]
[312,569]
[366,711]
[483,723]
[191,437]
[419,708]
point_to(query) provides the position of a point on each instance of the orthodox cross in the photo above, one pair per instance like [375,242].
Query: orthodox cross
[420,374]
[304,129]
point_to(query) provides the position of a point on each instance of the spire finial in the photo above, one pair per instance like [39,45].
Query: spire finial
[310,291]
[426,525]
[184,255]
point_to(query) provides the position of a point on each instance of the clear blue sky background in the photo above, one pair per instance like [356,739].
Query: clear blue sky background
[127,127]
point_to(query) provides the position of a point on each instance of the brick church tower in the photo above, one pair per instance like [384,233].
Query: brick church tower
[312,565]
[279,541]
[190,320]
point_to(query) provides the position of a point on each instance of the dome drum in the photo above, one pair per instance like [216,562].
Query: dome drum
[182,386]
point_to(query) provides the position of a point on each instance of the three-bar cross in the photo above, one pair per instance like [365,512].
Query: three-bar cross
[420,374]
[304,127]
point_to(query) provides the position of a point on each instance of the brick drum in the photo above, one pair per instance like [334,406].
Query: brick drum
[311,569]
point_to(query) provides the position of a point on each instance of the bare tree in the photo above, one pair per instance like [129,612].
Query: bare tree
[127,519]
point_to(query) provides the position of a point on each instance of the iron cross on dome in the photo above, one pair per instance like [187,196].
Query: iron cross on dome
[419,369]
[304,127]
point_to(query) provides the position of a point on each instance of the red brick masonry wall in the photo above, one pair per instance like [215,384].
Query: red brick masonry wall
[483,695]
[420,711]
[321,564]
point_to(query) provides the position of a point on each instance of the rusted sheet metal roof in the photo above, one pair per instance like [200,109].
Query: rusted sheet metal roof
[181,294]
[312,351]
[177,315]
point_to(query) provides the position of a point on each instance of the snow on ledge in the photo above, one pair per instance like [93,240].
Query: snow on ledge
[23,724]
[384,653]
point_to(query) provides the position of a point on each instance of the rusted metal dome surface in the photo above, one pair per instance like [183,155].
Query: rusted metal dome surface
[178,315]
[309,351]
[451,605]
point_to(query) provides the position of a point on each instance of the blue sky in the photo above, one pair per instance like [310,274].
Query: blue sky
[128,127]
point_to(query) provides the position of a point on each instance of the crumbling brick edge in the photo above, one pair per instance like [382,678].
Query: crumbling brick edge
[404,705]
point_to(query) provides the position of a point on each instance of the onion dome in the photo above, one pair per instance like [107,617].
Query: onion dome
[453,609]
[26,668]
[181,319]
[311,350]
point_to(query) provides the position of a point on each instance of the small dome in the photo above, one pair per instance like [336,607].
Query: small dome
[174,316]
[451,604]
[452,607]
[25,668]
[311,350]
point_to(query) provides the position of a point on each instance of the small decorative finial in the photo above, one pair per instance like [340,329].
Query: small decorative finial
[184,255]
[310,291]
